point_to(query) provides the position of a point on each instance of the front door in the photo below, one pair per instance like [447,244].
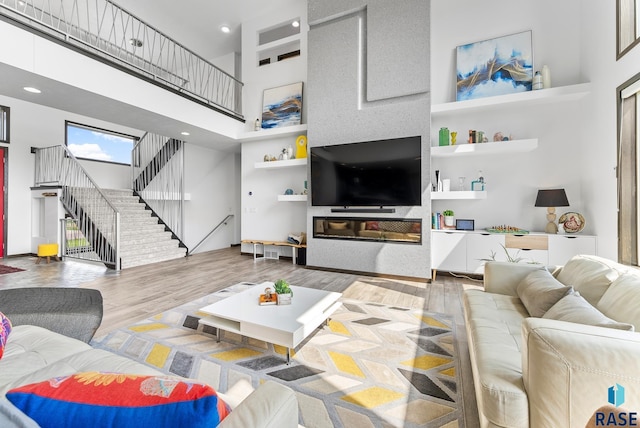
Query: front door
[3,159]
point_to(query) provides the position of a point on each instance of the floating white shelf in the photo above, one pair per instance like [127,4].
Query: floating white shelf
[460,194]
[292,198]
[478,149]
[265,134]
[567,93]
[282,163]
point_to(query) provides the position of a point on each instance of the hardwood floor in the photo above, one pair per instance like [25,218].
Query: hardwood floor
[137,293]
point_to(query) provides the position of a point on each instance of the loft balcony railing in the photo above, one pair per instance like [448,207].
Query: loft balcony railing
[104,29]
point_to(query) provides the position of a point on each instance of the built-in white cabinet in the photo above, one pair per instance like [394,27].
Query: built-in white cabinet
[563,247]
[451,251]
[467,251]
[481,247]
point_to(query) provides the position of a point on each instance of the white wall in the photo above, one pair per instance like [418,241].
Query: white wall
[33,125]
[211,180]
[257,79]
[598,159]
[263,217]
[565,133]
[211,176]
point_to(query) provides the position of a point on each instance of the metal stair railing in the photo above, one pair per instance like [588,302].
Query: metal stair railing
[96,217]
[103,28]
[218,226]
[157,177]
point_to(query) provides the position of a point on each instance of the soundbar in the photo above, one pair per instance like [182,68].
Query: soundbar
[363,210]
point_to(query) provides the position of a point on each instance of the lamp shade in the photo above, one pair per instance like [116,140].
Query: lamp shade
[552,198]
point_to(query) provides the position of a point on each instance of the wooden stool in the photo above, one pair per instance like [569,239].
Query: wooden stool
[48,251]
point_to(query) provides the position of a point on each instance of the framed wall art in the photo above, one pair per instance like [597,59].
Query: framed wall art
[498,66]
[282,106]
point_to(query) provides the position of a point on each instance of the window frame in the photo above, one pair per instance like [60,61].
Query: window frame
[68,123]
[625,20]
[5,125]
[628,171]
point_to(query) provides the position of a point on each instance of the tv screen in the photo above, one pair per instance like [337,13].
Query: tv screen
[371,173]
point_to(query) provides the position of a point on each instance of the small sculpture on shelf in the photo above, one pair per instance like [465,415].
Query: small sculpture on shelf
[499,136]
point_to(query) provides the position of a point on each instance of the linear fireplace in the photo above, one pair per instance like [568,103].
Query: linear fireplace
[407,231]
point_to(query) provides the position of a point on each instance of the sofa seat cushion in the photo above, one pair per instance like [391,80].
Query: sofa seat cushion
[620,301]
[590,276]
[81,361]
[30,348]
[493,323]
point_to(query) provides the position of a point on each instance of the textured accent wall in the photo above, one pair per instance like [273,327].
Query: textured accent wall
[368,79]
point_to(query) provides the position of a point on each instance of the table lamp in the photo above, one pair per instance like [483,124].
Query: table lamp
[551,199]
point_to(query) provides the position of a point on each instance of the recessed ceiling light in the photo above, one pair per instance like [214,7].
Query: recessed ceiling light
[135,42]
[296,23]
[32,90]
[185,133]
[225,29]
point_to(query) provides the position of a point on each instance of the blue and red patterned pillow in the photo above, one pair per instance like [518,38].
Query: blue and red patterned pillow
[5,329]
[94,399]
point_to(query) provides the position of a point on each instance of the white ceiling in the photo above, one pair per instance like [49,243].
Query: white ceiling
[196,23]
[193,23]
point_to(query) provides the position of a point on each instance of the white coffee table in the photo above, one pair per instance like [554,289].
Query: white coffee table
[285,325]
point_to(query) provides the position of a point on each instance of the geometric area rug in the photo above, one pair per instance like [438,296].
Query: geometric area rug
[371,366]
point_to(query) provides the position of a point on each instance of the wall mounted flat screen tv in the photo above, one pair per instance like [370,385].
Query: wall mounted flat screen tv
[372,173]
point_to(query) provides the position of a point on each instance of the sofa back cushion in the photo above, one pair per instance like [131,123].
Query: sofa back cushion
[620,301]
[574,308]
[539,291]
[590,275]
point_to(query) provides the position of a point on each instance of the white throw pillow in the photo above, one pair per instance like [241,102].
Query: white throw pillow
[539,291]
[574,308]
[621,299]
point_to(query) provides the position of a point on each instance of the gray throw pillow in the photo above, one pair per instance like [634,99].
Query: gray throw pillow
[539,291]
[574,308]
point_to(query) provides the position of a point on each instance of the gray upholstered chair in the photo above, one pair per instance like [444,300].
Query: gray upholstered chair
[74,312]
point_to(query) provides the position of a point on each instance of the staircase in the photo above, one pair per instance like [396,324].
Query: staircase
[143,239]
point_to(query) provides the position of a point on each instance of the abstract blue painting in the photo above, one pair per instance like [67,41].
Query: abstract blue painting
[499,66]
[282,106]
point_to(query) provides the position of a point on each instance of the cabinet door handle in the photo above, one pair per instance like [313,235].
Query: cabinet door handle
[571,237]
[449,233]
[485,234]
[525,249]
[517,234]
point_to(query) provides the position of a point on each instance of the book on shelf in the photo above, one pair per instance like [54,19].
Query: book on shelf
[272,299]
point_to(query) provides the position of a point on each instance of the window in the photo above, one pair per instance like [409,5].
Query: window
[628,26]
[4,124]
[87,142]
[628,171]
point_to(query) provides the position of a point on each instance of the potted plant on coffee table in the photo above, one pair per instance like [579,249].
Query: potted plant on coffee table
[284,292]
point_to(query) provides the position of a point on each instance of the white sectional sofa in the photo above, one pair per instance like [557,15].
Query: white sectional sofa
[554,369]
[36,354]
